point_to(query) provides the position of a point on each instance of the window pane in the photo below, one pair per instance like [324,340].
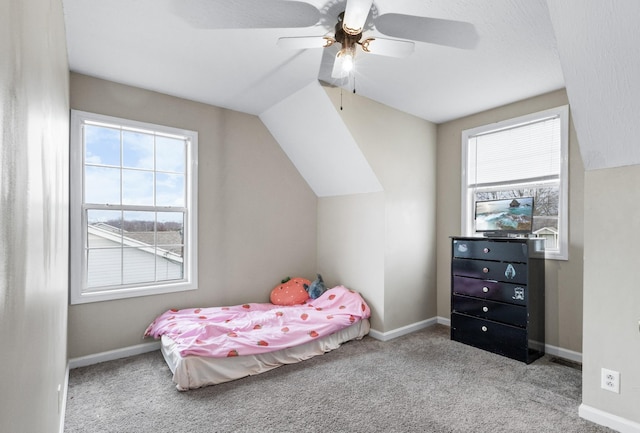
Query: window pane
[104,267]
[170,259]
[104,228]
[102,145]
[545,211]
[102,185]
[168,267]
[138,265]
[171,154]
[170,228]
[137,150]
[137,187]
[137,224]
[170,190]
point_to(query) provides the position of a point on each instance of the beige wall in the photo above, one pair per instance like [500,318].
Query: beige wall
[563,278]
[34,218]
[256,215]
[399,246]
[351,247]
[611,292]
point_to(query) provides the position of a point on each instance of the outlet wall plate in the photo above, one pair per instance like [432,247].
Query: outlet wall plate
[610,380]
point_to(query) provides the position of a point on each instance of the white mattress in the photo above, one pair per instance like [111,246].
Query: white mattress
[194,371]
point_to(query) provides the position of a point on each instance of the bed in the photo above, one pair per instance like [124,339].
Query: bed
[208,346]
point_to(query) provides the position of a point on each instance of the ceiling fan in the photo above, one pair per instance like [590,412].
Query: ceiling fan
[351,24]
[349,31]
[349,37]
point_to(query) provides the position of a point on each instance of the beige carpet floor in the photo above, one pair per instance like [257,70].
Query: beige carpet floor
[421,382]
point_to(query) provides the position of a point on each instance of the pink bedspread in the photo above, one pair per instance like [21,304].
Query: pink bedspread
[258,328]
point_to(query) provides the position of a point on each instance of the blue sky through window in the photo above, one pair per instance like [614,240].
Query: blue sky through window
[133,168]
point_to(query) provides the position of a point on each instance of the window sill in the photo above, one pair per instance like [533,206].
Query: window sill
[133,292]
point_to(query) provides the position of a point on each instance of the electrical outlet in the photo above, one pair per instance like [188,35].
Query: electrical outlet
[610,380]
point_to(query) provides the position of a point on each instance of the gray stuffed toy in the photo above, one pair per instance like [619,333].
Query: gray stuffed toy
[317,288]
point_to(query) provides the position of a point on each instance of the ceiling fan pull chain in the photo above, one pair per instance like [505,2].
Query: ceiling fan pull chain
[340,98]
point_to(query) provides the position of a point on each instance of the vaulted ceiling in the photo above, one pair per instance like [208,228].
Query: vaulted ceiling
[202,50]
[217,52]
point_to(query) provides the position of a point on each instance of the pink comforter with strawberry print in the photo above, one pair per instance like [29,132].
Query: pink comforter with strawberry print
[255,328]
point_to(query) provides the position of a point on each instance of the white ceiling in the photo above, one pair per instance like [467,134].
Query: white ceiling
[330,160]
[172,46]
[601,59]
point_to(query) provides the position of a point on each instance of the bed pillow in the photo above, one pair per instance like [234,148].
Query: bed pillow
[290,292]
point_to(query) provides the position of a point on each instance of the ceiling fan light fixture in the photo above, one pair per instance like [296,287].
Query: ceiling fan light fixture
[355,16]
[344,63]
[347,61]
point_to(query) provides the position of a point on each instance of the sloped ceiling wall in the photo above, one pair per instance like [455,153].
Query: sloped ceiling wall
[600,56]
[316,140]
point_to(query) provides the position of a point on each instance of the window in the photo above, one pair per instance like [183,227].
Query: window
[525,156]
[133,208]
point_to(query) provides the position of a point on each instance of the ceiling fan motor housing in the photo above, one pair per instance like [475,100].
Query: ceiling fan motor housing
[347,40]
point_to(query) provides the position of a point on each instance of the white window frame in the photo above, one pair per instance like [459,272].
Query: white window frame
[467,214]
[78,223]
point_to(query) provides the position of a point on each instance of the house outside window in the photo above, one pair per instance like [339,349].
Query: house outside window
[521,157]
[133,208]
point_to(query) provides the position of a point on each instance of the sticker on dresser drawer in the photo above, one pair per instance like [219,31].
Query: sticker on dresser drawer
[496,290]
[515,250]
[518,294]
[489,270]
[510,272]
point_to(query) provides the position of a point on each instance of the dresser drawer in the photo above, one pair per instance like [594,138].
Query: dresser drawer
[499,271]
[490,250]
[496,311]
[493,290]
[495,337]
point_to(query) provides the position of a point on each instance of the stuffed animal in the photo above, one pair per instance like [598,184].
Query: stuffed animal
[291,291]
[317,288]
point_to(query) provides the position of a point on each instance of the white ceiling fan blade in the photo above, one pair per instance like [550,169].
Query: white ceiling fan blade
[388,47]
[355,16]
[458,34]
[246,14]
[327,63]
[304,42]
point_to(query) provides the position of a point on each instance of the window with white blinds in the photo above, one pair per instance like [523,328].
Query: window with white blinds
[523,153]
[525,156]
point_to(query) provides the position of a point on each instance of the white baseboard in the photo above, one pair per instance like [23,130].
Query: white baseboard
[62,400]
[567,354]
[110,355]
[399,332]
[607,419]
[563,353]
[443,321]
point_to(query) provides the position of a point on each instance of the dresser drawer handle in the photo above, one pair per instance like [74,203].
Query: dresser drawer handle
[485,309]
[484,329]
[486,250]
[485,270]
[485,289]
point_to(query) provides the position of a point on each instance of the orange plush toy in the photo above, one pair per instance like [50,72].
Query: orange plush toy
[291,291]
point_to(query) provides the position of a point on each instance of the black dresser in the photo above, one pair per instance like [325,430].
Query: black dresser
[497,295]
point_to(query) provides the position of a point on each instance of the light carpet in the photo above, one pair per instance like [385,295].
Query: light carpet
[421,382]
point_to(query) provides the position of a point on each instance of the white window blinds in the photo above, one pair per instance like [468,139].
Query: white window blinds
[518,154]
